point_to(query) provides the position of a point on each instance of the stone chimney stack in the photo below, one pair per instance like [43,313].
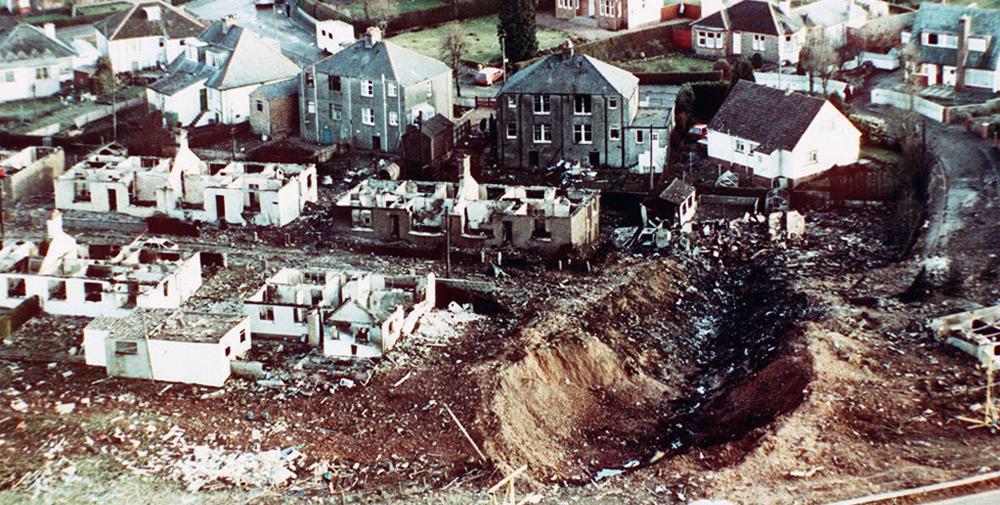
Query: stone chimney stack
[373,35]
[567,49]
[964,30]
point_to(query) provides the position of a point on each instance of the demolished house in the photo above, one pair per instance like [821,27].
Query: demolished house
[80,280]
[346,314]
[187,188]
[168,345]
[470,215]
[976,332]
[30,171]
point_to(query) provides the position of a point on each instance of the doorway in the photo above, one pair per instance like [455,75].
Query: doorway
[203,99]
[595,158]
[376,143]
[532,159]
[394,226]
[220,208]
[112,200]
[737,42]
[508,232]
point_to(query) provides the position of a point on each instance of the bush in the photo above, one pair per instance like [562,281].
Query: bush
[708,97]
[756,61]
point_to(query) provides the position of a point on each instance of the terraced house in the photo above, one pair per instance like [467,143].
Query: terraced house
[367,94]
[572,107]
[957,46]
[750,27]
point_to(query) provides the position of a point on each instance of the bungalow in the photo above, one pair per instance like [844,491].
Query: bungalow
[211,81]
[750,27]
[346,314]
[168,345]
[34,62]
[612,14]
[956,46]
[148,35]
[834,19]
[773,133]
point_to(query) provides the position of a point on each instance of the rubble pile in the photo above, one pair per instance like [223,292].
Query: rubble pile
[206,465]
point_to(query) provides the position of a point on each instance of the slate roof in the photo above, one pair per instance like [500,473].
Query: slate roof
[436,126]
[754,16]
[941,18]
[829,13]
[767,116]
[133,23]
[280,89]
[361,61]
[576,74]
[26,42]
[250,61]
[677,192]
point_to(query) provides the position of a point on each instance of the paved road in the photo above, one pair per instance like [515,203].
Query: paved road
[296,42]
[987,498]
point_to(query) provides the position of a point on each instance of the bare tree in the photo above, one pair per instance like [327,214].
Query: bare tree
[454,47]
[380,12]
[817,57]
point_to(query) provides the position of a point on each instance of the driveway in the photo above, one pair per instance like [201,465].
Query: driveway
[296,42]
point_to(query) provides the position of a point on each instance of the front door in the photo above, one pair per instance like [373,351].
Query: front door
[532,159]
[220,208]
[394,226]
[508,232]
[595,158]
[376,143]
[112,200]
[327,136]
[737,42]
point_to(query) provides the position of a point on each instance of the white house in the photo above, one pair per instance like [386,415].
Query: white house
[34,62]
[148,35]
[956,46]
[212,80]
[168,345]
[187,188]
[772,133]
[346,314]
[835,18]
[333,35]
[77,280]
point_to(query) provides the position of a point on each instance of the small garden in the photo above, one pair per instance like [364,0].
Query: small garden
[481,33]
[676,62]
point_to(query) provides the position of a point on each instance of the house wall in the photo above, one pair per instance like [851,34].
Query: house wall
[330,34]
[232,106]
[100,197]
[432,95]
[130,55]
[20,80]
[775,48]
[185,103]
[43,166]
[276,118]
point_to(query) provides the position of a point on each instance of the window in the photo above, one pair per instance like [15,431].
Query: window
[393,119]
[266,314]
[309,80]
[336,112]
[932,39]
[361,219]
[260,106]
[741,146]
[300,315]
[310,107]
[511,102]
[333,82]
[581,105]
[655,137]
[15,288]
[608,8]
[243,335]
[512,130]
[541,231]
[93,291]
[368,116]
[390,89]
[126,348]
[583,134]
[42,73]
[615,133]
[813,156]
[758,42]
[612,102]
[57,290]
[229,350]
[542,105]
[710,40]
[542,134]
[9,76]
[367,88]
[640,136]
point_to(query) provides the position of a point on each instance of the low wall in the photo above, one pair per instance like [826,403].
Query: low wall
[667,78]
[900,100]
[798,82]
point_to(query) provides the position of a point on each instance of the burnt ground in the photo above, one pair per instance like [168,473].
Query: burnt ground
[725,366]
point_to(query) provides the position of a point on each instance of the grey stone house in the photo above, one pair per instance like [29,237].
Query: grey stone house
[748,27]
[368,93]
[572,107]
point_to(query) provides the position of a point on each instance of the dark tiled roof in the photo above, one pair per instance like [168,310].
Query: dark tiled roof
[768,116]
[436,126]
[755,16]
[362,60]
[280,89]
[577,74]
[677,192]
[941,18]
[133,23]
[180,74]
[26,42]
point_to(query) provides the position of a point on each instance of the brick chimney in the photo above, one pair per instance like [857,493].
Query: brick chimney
[567,49]
[373,35]
[964,30]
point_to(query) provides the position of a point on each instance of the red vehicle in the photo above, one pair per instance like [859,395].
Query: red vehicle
[488,75]
[698,131]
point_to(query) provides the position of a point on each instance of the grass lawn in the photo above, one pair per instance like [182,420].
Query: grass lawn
[880,154]
[668,63]
[41,112]
[102,9]
[484,46]
[357,8]
[43,18]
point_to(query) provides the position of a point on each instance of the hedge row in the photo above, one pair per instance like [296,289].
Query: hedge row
[427,18]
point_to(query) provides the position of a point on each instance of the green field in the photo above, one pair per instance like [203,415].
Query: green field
[357,9]
[91,10]
[668,63]
[484,46]
[28,115]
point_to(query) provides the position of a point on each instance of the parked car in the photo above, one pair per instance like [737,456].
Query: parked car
[698,131]
[488,75]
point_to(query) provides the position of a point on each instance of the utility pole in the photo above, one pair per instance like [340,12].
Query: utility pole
[503,56]
[447,244]
[114,106]
[651,152]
